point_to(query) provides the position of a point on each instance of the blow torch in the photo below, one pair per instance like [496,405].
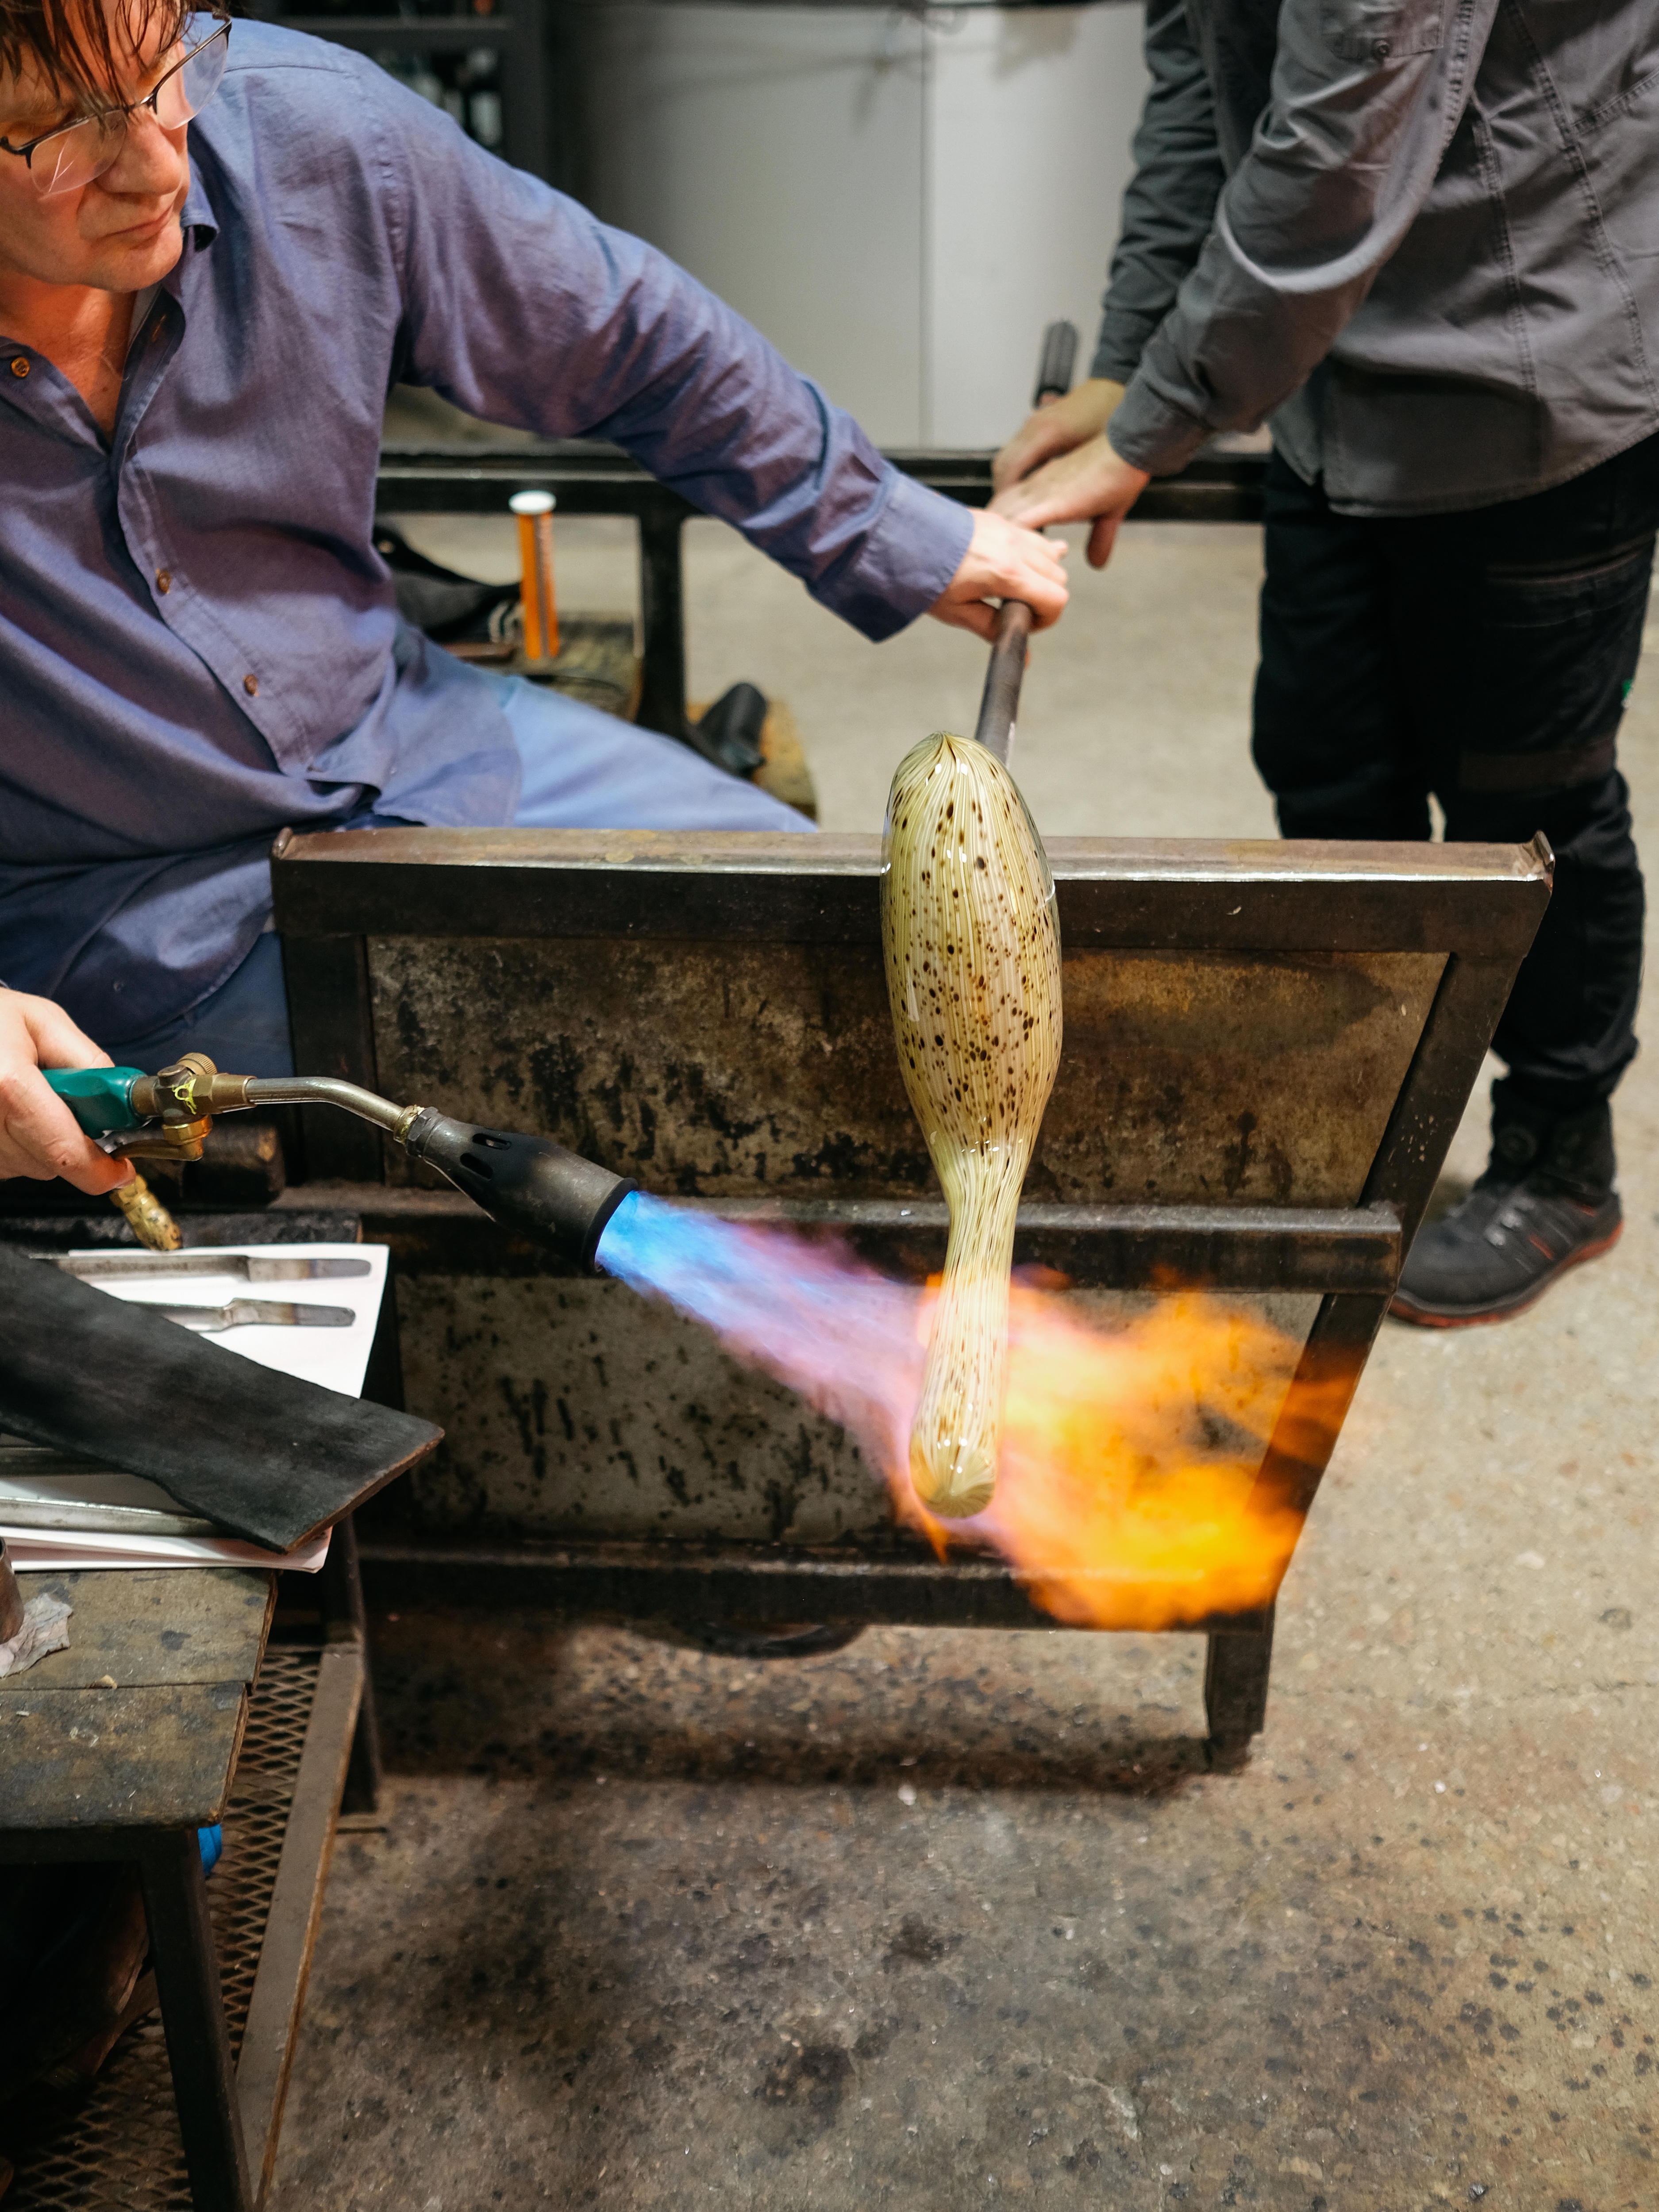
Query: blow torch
[522,1181]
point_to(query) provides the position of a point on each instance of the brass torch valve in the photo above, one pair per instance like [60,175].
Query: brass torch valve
[176,1109]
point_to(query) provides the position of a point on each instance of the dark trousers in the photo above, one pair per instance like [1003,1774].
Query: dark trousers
[1484,656]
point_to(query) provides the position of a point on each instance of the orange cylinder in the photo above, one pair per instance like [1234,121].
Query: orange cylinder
[534,510]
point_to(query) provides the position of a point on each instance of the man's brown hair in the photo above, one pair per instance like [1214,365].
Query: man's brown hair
[79,46]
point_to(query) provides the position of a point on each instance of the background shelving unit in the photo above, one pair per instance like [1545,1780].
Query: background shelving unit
[488,69]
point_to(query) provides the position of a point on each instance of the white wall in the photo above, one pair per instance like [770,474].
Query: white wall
[1031,111]
[778,154]
[899,203]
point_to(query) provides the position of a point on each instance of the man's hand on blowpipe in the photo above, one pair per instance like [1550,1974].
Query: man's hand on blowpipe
[1003,561]
[38,1136]
[1059,467]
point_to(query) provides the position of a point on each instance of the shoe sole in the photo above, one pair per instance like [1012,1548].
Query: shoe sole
[1403,1308]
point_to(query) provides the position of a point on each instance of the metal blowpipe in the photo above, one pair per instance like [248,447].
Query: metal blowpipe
[526,1182]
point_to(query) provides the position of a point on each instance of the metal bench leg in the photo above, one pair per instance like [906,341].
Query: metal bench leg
[662,626]
[345,1617]
[362,1793]
[1235,1674]
[192,2013]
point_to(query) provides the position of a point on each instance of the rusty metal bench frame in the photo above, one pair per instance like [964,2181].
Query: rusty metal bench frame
[1480,906]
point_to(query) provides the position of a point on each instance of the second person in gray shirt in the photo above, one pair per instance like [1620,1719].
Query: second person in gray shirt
[1418,236]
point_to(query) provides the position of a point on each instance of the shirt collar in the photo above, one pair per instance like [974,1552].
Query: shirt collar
[198,215]
[199,226]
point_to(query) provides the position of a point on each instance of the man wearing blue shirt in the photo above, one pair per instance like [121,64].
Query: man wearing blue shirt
[199,644]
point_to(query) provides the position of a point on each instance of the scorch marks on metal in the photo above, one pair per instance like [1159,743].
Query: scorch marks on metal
[1187,1078]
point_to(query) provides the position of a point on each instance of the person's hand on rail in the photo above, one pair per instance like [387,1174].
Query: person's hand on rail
[38,1136]
[1003,561]
[1059,467]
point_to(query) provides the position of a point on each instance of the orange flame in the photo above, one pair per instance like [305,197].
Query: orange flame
[1130,1493]
[1127,1494]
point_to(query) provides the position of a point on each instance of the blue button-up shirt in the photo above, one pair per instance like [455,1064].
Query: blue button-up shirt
[198,641]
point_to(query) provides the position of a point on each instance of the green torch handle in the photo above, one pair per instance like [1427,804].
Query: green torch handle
[100,1098]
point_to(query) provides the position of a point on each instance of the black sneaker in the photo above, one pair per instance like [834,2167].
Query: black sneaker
[1545,1203]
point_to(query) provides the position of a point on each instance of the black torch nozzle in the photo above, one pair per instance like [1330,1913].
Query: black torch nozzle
[527,1182]
[523,1182]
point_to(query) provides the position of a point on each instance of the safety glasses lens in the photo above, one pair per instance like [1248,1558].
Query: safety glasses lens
[75,156]
[191,86]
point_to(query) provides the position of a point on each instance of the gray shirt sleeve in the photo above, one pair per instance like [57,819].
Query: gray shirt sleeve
[1171,200]
[1366,95]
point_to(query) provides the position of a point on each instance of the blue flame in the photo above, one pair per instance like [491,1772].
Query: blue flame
[806,1310]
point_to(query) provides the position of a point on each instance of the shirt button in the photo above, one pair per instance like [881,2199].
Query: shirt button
[1381,50]
[251,685]
[20,365]
[164,580]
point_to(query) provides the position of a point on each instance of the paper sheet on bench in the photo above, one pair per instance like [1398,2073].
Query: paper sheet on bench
[57,1514]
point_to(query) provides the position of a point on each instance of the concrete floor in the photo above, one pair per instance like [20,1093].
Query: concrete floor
[945,1919]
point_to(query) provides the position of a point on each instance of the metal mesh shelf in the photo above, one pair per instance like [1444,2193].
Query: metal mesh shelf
[119,2149]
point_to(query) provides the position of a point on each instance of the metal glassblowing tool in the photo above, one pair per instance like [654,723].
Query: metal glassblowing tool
[1000,700]
[529,1183]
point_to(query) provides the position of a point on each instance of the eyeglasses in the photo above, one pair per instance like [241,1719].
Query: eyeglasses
[72,153]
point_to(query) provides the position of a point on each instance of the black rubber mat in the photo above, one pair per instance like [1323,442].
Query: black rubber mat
[265,1455]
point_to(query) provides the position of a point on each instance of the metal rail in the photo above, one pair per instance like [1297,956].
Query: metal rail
[1351,1249]
[341,887]
[904,1586]
[587,477]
